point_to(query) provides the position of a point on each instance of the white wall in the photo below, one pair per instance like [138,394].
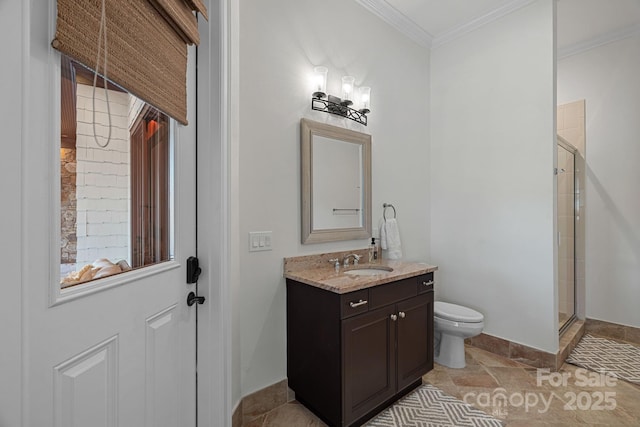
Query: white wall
[607,78]
[11,115]
[492,186]
[279,44]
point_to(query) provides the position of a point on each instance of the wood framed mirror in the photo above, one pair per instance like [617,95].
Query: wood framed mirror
[335,183]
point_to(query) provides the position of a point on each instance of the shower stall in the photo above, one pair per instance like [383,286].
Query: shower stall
[568,202]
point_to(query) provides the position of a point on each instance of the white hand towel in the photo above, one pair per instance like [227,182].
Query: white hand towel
[390,238]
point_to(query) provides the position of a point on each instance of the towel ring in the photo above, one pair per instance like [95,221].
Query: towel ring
[384,210]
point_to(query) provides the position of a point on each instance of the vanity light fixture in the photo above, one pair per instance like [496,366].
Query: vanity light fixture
[339,106]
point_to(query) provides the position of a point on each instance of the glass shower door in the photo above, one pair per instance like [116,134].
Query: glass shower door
[566,235]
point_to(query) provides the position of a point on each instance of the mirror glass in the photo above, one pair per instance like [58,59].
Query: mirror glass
[336,183]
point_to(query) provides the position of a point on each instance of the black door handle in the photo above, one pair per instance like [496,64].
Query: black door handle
[192,298]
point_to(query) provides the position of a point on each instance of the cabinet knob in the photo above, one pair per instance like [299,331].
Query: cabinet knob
[394,317]
[429,283]
[402,314]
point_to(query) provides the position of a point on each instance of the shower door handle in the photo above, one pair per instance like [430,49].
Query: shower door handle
[559,238]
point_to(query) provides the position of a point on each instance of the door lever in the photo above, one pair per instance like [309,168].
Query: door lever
[192,298]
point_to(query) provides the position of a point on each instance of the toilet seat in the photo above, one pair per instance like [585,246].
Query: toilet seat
[456,313]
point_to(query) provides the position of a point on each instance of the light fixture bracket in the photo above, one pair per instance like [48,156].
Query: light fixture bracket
[335,105]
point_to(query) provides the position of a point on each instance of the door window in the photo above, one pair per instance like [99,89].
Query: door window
[116,180]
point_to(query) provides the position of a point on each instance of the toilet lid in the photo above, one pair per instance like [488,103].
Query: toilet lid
[456,313]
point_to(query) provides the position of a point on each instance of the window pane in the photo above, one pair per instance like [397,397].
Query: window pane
[115,191]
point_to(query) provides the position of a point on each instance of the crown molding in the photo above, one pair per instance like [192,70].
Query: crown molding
[397,20]
[480,21]
[598,41]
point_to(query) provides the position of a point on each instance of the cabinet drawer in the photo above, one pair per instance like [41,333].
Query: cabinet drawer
[354,303]
[382,295]
[425,283]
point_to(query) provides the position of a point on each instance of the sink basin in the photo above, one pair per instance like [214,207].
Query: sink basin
[368,271]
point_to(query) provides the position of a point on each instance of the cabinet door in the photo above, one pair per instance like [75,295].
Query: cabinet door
[415,338]
[369,361]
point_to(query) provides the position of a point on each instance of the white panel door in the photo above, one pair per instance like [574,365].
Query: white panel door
[119,351]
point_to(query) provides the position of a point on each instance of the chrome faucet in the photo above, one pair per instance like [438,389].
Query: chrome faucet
[345,260]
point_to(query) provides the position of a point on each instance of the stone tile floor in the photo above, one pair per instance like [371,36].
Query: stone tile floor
[518,394]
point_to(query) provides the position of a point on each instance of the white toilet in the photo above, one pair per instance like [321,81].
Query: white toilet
[452,324]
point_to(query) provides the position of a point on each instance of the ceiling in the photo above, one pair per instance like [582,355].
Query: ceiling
[435,22]
[583,20]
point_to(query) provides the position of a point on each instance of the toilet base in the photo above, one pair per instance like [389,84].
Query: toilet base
[450,351]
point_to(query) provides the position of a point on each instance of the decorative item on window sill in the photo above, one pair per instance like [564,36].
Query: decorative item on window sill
[340,106]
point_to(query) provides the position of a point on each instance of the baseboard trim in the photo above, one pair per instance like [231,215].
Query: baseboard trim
[259,403]
[236,417]
[613,330]
[529,355]
[514,351]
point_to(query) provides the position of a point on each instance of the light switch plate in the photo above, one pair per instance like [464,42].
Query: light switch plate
[260,241]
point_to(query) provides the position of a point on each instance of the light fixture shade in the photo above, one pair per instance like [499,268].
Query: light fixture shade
[365,99]
[320,82]
[348,83]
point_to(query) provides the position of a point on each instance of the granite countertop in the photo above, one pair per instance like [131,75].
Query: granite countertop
[325,276]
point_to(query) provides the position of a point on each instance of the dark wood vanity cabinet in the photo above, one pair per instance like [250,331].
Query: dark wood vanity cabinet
[350,355]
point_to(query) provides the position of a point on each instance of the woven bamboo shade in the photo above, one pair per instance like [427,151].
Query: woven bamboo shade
[147,52]
[180,16]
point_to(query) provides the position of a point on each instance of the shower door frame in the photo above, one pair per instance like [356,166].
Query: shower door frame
[576,197]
